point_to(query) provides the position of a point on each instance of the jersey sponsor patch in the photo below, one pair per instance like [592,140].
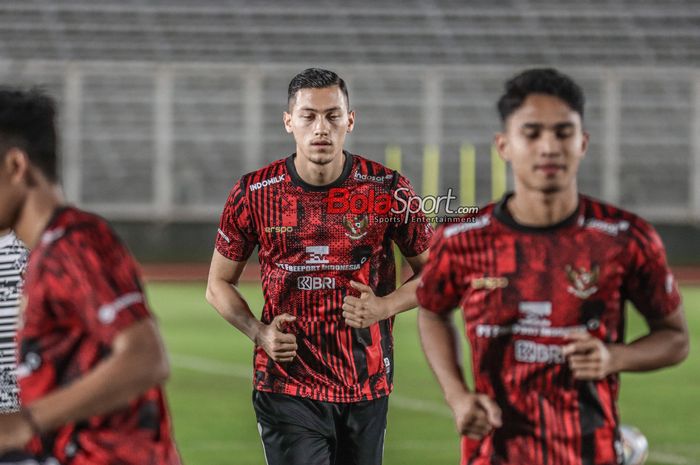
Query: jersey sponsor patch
[478,223]
[368,177]
[315,283]
[533,352]
[607,227]
[266,182]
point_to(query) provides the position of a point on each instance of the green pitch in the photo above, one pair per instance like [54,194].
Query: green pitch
[210,390]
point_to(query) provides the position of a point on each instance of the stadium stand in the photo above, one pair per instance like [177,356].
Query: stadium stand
[177,98]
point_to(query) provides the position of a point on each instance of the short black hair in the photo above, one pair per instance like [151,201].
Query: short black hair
[316,78]
[546,81]
[27,122]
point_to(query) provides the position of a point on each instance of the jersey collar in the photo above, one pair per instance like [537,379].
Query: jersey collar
[296,179]
[501,213]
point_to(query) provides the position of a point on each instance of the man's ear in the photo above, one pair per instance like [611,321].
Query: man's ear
[500,141]
[287,120]
[16,165]
[351,120]
[584,143]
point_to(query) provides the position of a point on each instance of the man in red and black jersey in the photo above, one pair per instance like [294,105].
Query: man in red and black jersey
[542,277]
[90,358]
[324,232]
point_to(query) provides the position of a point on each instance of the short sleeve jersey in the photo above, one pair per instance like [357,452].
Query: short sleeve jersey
[82,289]
[522,291]
[312,241]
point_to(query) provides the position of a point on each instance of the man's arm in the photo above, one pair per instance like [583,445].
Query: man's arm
[225,297]
[363,311]
[137,362]
[666,344]
[475,414]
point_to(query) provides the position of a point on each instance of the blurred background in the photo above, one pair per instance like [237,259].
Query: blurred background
[164,104]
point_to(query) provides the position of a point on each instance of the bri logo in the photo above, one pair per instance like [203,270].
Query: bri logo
[315,283]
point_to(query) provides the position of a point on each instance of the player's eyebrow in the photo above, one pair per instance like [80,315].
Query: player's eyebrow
[315,110]
[556,127]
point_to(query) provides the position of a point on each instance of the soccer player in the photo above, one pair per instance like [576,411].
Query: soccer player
[91,362]
[13,257]
[323,348]
[542,277]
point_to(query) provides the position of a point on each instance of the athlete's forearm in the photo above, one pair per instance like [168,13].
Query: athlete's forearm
[662,347]
[232,306]
[137,363]
[440,343]
[403,298]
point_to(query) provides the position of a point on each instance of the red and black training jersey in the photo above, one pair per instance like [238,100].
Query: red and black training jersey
[82,289]
[311,245]
[523,290]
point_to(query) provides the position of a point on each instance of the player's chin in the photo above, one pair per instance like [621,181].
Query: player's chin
[551,187]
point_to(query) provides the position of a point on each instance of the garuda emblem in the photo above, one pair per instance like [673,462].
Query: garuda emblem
[356,225]
[583,282]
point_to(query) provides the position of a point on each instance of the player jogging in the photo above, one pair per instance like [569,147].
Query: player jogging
[323,350]
[91,360]
[542,277]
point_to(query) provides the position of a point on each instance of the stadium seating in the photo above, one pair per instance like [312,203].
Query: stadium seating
[177,98]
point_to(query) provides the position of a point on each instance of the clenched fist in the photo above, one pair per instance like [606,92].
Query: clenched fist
[475,415]
[279,345]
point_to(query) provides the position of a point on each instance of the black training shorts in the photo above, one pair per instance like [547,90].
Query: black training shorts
[300,431]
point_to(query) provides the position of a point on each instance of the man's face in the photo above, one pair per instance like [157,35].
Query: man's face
[13,165]
[319,120]
[544,142]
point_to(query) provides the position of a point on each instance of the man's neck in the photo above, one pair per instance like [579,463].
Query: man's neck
[317,174]
[36,213]
[539,209]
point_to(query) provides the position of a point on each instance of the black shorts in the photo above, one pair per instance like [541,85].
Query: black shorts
[299,431]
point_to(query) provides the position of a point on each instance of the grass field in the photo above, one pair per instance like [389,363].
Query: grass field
[210,390]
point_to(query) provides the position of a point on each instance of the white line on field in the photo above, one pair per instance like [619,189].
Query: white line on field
[669,459]
[237,370]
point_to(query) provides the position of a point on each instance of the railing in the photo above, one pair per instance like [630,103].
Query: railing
[145,141]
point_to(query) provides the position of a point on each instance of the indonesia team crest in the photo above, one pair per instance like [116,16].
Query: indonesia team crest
[583,282]
[356,225]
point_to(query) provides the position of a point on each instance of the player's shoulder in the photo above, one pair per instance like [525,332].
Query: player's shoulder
[365,170]
[269,175]
[476,223]
[8,241]
[74,231]
[604,216]
[615,221]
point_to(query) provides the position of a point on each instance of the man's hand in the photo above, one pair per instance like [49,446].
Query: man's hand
[475,414]
[366,310]
[279,345]
[588,357]
[15,432]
